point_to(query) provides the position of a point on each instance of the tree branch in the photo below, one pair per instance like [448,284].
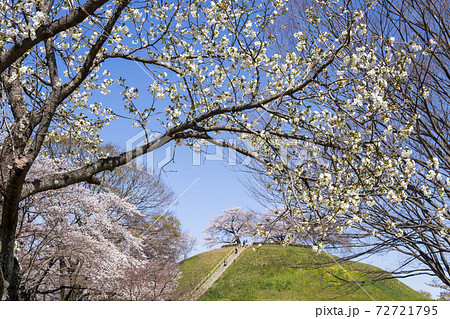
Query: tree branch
[47,31]
[86,173]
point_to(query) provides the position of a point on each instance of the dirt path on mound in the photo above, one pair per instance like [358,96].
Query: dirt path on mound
[215,275]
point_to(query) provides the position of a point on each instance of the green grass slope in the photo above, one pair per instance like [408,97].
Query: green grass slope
[284,273]
[195,268]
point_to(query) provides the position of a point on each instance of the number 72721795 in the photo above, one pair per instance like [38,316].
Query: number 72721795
[406,310]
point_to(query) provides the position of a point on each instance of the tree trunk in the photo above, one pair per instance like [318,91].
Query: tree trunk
[8,223]
[9,286]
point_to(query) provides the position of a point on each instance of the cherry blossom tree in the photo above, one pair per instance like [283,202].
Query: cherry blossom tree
[374,162]
[420,225]
[213,74]
[230,227]
[286,228]
[76,244]
[275,228]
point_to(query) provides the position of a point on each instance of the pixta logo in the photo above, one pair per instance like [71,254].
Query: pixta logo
[148,145]
[161,152]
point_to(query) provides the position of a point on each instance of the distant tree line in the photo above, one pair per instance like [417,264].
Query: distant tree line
[234,226]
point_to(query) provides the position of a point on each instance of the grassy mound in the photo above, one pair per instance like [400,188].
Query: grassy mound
[197,267]
[274,272]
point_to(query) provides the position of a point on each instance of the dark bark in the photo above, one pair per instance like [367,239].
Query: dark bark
[9,264]
[3,286]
